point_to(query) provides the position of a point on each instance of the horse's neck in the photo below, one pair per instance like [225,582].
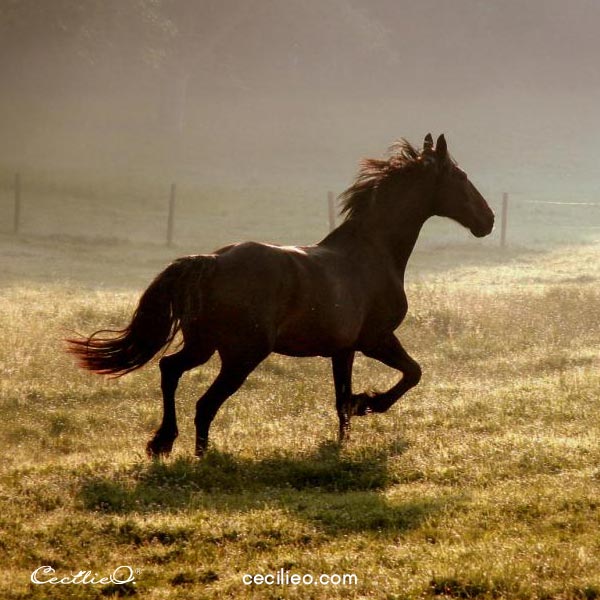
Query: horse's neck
[403,238]
[393,238]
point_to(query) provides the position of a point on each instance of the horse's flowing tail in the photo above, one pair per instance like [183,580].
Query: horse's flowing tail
[174,297]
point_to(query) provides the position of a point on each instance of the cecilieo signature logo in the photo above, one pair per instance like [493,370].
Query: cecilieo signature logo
[121,575]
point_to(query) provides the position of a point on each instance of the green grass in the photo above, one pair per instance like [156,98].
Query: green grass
[484,482]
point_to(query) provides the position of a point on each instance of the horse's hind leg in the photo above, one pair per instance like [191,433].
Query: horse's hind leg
[172,367]
[342,378]
[231,377]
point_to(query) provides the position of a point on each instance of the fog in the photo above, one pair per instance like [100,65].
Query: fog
[267,92]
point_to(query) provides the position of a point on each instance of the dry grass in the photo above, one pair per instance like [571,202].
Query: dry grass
[482,483]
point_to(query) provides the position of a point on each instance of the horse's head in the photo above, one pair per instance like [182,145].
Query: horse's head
[455,196]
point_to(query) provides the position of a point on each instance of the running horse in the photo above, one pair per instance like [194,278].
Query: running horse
[333,299]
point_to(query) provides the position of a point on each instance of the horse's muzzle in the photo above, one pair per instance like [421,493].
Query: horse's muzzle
[481,230]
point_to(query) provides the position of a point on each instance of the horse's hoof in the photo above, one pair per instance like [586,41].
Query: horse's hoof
[154,453]
[158,447]
[360,405]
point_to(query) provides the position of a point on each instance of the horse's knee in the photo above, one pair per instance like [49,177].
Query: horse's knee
[412,375]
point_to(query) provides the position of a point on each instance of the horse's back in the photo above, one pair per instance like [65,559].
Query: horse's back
[298,297]
[270,278]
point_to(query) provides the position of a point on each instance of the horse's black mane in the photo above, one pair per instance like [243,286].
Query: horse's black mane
[402,156]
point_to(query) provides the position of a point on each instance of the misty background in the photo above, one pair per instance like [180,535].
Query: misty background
[291,94]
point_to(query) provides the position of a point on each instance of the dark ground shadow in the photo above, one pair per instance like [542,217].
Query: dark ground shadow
[339,493]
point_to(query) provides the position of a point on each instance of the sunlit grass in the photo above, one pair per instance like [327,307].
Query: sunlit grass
[483,482]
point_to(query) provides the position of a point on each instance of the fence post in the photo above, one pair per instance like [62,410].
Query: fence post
[17,211]
[331,208]
[171,217]
[504,220]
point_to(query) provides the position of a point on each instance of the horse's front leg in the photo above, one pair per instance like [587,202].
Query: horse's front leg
[342,378]
[391,353]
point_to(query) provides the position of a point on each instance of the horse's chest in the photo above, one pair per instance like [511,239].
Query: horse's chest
[387,310]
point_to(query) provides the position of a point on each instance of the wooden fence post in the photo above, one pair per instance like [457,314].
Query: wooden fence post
[504,220]
[171,217]
[17,210]
[331,208]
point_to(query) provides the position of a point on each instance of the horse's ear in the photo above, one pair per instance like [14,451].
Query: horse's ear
[428,143]
[441,148]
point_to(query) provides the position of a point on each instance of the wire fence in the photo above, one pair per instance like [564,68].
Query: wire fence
[169,217]
[551,220]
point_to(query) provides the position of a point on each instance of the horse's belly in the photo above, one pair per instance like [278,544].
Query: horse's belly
[297,347]
[305,338]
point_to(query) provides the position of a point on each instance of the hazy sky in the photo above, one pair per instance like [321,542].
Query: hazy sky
[298,90]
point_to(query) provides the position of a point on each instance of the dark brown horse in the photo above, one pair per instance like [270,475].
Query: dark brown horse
[341,296]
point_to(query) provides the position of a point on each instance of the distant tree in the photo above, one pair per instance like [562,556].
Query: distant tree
[173,42]
[200,29]
[242,40]
[94,36]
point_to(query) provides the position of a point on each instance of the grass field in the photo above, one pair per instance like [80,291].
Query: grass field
[483,482]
